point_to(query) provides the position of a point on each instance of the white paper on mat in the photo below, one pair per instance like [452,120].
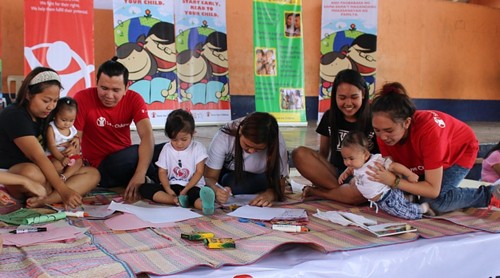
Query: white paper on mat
[128,221]
[259,213]
[100,211]
[156,215]
[240,199]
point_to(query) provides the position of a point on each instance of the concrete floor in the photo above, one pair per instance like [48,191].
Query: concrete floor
[486,132]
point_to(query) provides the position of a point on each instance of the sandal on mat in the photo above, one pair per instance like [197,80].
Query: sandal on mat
[207,197]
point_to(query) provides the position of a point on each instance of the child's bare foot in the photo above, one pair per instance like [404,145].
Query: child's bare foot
[35,202]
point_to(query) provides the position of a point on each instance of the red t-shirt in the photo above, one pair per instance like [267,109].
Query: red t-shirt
[106,129]
[435,139]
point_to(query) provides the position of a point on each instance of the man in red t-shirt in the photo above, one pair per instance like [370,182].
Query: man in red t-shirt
[103,122]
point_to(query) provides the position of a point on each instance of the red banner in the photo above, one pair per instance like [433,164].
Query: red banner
[60,34]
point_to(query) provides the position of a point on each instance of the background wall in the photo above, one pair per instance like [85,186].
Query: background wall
[441,51]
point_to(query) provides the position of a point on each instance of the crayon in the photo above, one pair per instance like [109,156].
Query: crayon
[234,207]
[246,220]
[197,236]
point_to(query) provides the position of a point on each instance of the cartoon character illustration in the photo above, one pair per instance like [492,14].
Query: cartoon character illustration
[332,63]
[193,71]
[160,42]
[59,56]
[142,66]
[140,63]
[363,52]
[215,51]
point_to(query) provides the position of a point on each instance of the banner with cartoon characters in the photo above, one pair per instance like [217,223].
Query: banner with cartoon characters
[48,41]
[279,60]
[176,53]
[349,41]
[145,44]
[202,59]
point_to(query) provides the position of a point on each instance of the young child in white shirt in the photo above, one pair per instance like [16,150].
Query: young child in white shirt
[181,165]
[358,158]
[60,133]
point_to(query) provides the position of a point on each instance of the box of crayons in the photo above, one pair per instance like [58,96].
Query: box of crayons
[219,243]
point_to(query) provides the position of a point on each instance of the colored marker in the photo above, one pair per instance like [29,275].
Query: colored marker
[246,220]
[29,230]
[76,214]
[290,228]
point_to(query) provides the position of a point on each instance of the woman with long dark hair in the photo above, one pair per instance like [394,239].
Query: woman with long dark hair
[248,156]
[349,111]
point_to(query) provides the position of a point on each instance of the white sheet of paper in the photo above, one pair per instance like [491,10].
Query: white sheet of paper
[259,213]
[298,183]
[156,215]
[241,199]
[100,211]
[252,212]
[357,219]
[128,221]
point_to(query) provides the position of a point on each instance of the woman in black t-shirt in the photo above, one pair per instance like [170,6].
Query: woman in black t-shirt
[21,135]
[349,110]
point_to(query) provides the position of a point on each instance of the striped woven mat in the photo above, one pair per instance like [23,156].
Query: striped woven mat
[79,258]
[161,251]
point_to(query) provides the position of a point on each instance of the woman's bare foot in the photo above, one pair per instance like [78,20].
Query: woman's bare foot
[312,192]
[308,191]
[35,202]
[36,189]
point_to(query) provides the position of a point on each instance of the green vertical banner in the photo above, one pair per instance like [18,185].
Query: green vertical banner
[279,60]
